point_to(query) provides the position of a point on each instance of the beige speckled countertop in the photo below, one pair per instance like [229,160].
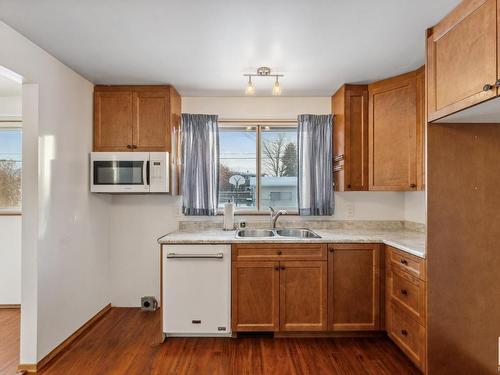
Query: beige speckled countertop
[412,242]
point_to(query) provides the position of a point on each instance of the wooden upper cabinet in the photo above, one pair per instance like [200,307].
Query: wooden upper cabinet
[255,296]
[135,118]
[151,121]
[354,287]
[350,138]
[462,58]
[303,296]
[395,118]
[113,118]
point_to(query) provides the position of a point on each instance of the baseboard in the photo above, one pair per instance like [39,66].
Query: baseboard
[11,306]
[33,368]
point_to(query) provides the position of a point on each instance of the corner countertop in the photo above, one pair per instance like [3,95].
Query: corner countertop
[412,242]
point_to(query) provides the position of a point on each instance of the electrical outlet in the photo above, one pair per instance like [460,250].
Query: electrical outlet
[350,210]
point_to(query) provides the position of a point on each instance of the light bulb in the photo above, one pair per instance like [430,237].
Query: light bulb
[276,87]
[250,90]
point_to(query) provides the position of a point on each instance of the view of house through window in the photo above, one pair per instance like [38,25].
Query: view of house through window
[247,150]
[10,168]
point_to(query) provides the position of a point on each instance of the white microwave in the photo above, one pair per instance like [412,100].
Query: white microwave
[129,172]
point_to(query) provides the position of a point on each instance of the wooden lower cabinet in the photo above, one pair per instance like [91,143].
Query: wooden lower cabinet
[405,296]
[255,296]
[354,287]
[303,286]
[272,293]
[408,334]
[334,288]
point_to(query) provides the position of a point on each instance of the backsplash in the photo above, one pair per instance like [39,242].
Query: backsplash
[216,223]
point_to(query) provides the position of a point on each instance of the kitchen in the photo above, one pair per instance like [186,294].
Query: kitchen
[383,157]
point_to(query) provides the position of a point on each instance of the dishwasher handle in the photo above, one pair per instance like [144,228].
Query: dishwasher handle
[195,256]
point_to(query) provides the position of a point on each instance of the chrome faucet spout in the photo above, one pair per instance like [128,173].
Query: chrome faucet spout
[275,216]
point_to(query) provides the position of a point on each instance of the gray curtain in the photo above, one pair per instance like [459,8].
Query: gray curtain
[315,180]
[200,158]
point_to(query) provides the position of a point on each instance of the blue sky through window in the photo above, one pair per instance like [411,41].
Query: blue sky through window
[10,144]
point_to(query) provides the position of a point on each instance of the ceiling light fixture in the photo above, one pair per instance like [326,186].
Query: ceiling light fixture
[263,71]
[250,90]
[276,87]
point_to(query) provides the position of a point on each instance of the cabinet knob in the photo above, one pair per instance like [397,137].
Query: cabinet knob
[404,292]
[134,146]
[330,250]
[282,267]
[404,332]
[349,186]
[279,252]
[487,87]
[276,268]
[129,146]
[404,261]
[413,185]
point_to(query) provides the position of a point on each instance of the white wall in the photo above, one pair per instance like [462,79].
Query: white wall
[415,206]
[10,107]
[137,221]
[65,228]
[10,259]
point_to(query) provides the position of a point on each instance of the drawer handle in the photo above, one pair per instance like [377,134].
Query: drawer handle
[404,292]
[487,87]
[404,261]
[279,252]
[404,332]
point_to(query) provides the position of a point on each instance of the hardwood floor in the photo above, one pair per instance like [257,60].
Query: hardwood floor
[123,342]
[9,340]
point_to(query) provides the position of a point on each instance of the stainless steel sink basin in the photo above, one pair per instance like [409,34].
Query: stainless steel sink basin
[297,233]
[287,233]
[255,233]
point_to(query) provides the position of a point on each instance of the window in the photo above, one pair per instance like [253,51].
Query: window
[269,152]
[10,168]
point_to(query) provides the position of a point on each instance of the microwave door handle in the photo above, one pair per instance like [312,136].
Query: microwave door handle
[148,173]
[145,174]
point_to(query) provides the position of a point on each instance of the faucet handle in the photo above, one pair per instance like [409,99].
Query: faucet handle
[273,211]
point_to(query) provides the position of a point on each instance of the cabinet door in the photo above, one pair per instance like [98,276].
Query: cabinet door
[255,296]
[350,138]
[354,287]
[392,134]
[462,58]
[113,121]
[151,121]
[303,296]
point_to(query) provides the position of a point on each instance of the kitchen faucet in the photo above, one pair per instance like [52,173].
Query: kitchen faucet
[275,216]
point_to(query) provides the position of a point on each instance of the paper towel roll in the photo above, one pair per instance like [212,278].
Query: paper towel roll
[229,216]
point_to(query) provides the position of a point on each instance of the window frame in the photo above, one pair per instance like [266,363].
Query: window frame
[258,125]
[13,125]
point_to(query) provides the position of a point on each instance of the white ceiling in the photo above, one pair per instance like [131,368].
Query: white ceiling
[204,46]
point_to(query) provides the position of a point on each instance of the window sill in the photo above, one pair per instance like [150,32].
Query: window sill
[256,213]
[10,212]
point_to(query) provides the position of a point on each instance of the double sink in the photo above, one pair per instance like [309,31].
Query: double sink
[277,233]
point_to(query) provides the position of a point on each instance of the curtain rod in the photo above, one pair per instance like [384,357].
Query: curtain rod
[258,121]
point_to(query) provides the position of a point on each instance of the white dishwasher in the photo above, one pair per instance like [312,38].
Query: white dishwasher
[196,290]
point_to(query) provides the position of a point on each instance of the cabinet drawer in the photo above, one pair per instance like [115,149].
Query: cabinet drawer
[277,252]
[408,335]
[409,292]
[407,263]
